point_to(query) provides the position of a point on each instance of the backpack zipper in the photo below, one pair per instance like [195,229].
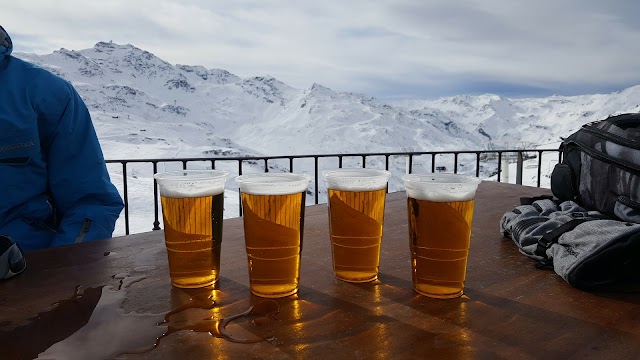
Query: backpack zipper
[86,224]
[628,202]
[602,157]
[612,137]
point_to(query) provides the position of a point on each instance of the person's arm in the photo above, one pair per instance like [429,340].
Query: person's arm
[79,183]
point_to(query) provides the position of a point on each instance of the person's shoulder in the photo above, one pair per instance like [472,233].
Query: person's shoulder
[37,75]
[47,92]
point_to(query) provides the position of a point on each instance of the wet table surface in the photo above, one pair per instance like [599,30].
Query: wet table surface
[115,295]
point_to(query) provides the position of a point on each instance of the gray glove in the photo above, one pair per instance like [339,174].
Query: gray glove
[586,248]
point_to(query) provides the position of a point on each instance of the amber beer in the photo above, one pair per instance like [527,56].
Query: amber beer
[192,208]
[440,211]
[273,212]
[356,217]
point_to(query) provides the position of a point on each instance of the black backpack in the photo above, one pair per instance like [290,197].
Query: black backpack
[600,169]
[591,233]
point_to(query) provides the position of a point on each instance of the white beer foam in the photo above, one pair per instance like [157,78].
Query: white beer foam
[441,187]
[356,179]
[273,183]
[189,192]
[191,183]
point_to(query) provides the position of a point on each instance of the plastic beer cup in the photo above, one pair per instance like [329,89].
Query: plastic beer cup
[356,216]
[273,216]
[192,207]
[440,211]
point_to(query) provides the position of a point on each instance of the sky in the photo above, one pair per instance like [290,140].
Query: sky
[383,48]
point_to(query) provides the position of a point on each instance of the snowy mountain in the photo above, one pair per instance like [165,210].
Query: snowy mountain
[138,99]
[144,107]
[517,123]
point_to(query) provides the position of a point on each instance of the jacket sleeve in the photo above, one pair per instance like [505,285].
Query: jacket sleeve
[88,204]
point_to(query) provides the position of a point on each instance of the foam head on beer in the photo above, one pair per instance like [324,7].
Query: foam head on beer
[440,187]
[356,179]
[191,183]
[273,183]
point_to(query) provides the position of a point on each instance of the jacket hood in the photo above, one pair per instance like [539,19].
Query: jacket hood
[5,43]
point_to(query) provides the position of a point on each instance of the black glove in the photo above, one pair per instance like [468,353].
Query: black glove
[12,260]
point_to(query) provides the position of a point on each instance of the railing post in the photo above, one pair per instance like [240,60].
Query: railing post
[455,162]
[478,164]
[315,160]
[410,167]
[156,222]
[340,161]
[290,164]
[364,161]
[386,163]
[433,162]
[499,164]
[125,197]
[239,193]
[184,164]
[266,166]
[519,166]
[539,167]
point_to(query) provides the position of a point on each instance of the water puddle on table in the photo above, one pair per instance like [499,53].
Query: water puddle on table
[110,331]
[215,327]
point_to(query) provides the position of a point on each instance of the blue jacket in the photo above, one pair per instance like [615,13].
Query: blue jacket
[54,185]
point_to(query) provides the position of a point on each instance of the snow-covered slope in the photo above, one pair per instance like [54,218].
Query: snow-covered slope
[144,107]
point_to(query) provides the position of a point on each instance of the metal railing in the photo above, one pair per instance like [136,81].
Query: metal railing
[481,155]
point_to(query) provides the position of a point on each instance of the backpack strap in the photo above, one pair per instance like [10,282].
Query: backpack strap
[552,236]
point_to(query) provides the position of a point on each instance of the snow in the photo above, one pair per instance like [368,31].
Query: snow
[145,108]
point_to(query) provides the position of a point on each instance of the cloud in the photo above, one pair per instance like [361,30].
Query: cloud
[383,48]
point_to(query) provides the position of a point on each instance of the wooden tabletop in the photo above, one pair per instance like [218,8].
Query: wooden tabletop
[510,309]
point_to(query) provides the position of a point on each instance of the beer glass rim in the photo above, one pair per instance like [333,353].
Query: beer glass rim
[190,175]
[446,178]
[273,183]
[191,183]
[356,179]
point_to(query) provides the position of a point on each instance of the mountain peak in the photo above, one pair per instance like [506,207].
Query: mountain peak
[220,76]
[111,45]
[104,45]
[318,87]
[267,88]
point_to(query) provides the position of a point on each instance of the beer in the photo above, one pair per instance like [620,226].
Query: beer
[355,221]
[439,240]
[440,210]
[193,236]
[273,210]
[192,207]
[356,216]
[273,237]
